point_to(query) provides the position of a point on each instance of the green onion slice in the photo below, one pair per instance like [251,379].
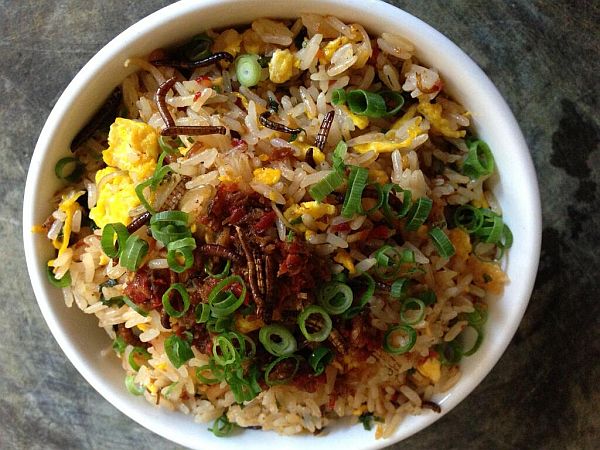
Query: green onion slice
[395,98]
[394,189]
[407,311]
[198,48]
[418,213]
[119,345]
[357,182]
[107,242]
[134,253]
[181,248]
[450,353]
[468,218]
[74,169]
[132,386]
[389,260]
[466,339]
[164,147]
[139,191]
[365,298]
[365,103]
[319,359]
[218,325]
[219,275]
[339,153]
[224,303]
[178,350]
[248,70]
[338,97]
[140,351]
[224,351]
[399,288]
[442,242]
[428,297]
[405,333]
[479,161]
[380,199]
[133,306]
[335,297]
[169,226]
[321,334]
[242,340]
[63,282]
[202,312]
[185,298]
[277,340]
[326,186]
[280,360]
[222,427]
[218,372]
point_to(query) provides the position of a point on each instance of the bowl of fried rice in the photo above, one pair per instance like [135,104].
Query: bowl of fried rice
[316,225]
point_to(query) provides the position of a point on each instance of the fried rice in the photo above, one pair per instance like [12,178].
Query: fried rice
[266,182]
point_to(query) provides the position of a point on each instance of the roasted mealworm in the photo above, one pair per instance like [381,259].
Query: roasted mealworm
[321,138]
[180,64]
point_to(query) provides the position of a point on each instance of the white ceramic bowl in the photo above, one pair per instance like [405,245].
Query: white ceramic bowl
[80,337]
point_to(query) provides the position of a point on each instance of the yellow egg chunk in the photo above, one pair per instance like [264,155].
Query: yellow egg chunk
[132,146]
[332,46]
[433,113]
[267,175]
[343,257]
[116,198]
[430,369]
[314,209]
[229,41]
[281,66]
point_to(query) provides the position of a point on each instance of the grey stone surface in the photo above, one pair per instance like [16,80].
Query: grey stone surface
[543,394]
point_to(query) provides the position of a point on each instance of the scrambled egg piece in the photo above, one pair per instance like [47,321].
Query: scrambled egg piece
[267,175]
[332,46]
[281,66]
[229,41]
[388,146]
[314,209]
[115,199]
[244,325]
[343,257]
[361,122]
[409,114]
[68,205]
[132,146]
[431,369]
[433,113]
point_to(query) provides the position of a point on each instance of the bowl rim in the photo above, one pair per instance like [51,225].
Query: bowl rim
[173,12]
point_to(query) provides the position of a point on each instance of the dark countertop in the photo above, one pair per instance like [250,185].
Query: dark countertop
[543,56]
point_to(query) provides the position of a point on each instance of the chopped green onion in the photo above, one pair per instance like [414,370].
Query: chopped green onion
[178,350]
[388,260]
[366,296]
[202,312]
[58,283]
[364,103]
[141,351]
[277,340]
[164,147]
[185,297]
[132,386]
[248,70]
[279,360]
[506,239]
[399,287]
[107,242]
[133,306]
[218,372]
[468,218]
[182,248]
[224,303]
[198,48]
[139,191]
[242,339]
[160,171]
[222,427]
[367,420]
[418,213]
[319,359]
[74,174]
[169,226]
[389,213]
[218,325]
[339,153]
[338,97]
[442,243]
[478,317]
[428,297]
[450,353]
[409,305]
[175,217]
[380,199]
[326,186]
[224,351]
[134,253]
[221,274]
[479,161]
[321,334]
[465,337]
[357,181]
[119,345]
[407,334]
[335,297]
[394,97]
